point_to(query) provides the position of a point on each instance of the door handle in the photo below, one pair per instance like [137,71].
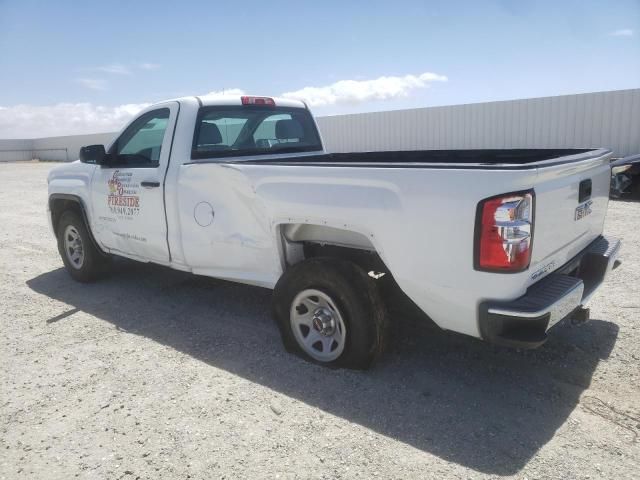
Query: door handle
[149,184]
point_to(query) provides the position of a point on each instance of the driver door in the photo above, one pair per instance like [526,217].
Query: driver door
[128,193]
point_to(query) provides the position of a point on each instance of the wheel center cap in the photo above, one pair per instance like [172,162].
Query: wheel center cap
[323,322]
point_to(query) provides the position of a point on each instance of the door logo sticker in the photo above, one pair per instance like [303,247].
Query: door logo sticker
[123,199]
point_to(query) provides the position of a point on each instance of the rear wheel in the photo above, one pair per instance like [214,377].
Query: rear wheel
[82,259]
[329,311]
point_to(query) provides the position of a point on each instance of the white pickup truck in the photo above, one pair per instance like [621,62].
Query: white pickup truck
[496,244]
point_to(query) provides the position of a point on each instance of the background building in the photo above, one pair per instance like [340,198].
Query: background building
[602,119]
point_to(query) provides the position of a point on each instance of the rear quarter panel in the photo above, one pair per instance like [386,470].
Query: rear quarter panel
[421,221]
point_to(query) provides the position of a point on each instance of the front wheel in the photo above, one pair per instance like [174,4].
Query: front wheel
[329,311]
[82,259]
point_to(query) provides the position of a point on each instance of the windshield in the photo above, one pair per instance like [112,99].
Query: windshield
[249,130]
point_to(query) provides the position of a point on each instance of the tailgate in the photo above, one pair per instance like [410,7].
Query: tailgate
[572,195]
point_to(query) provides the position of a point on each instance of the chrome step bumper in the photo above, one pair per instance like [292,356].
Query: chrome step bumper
[524,322]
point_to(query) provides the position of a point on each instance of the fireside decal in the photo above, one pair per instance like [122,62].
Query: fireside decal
[123,199]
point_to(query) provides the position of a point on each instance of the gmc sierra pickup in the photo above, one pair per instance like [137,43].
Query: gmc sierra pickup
[496,244]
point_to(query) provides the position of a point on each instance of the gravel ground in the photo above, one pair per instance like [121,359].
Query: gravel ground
[152,373]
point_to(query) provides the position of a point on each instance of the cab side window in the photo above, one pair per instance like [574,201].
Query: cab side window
[140,144]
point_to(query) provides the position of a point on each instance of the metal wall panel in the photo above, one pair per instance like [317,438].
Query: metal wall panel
[590,120]
[55,149]
[15,150]
[50,148]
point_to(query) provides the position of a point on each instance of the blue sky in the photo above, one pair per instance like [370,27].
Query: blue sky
[109,54]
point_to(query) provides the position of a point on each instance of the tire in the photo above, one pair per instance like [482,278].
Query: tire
[329,311]
[90,262]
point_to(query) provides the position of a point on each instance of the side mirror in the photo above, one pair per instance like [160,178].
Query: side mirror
[93,154]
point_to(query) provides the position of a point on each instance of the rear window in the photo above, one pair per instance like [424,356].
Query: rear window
[232,131]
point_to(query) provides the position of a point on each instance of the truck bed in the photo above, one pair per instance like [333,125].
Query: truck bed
[509,158]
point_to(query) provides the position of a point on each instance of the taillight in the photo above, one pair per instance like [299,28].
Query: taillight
[266,101]
[504,229]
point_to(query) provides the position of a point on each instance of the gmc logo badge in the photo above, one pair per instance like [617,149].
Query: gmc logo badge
[583,210]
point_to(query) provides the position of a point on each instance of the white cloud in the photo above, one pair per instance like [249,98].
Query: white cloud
[32,121]
[148,66]
[114,69]
[623,32]
[358,91]
[227,92]
[93,83]
[29,121]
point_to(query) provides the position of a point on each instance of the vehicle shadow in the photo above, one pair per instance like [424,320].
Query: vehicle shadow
[483,407]
[627,199]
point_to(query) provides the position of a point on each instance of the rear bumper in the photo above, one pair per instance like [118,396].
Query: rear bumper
[524,322]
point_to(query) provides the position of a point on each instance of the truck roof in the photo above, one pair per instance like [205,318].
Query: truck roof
[221,100]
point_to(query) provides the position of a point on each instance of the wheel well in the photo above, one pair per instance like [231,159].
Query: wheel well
[368,260]
[60,205]
[303,241]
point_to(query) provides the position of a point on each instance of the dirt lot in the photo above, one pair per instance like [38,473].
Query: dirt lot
[152,373]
